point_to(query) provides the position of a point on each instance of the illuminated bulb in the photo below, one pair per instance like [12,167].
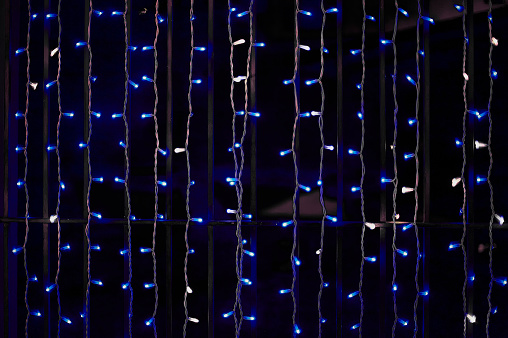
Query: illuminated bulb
[95,247]
[358,86]
[421,52]
[455,181]
[304,187]
[162,183]
[98,13]
[410,79]
[62,185]
[355,189]
[395,287]
[250,253]
[197,81]
[124,252]
[93,78]
[119,180]
[200,49]
[297,329]
[133,48]
[162,151]
[501,281]
[370,17]
[66,247]
[385,42]
[353,152]
[231,211]
[159,216]
[20,183]
[149,322]
[146,78]
[194,320]
[83,145]
[479,145]
[499,218]
[17,250]
[403,322]
[407,226]
[145,250]
[405,190]
[179,150]
[354,327]
[371,259]
[471,278]
[305,47]
[319,182]
[285,224]
[259,44]
[53,218]
[134,84]
[311,82]
[459,8]
[332,10]
[36,313]
[386,180]
[239,15]
[249,318]
[244,241]
[96,114]
[325,50]
[285,152]
[51,16]
[98,179]
[21,50]
[318,251]
[407,156]
[283,291]
[240,78]
[402,252]
[116,13]
[19,115]
[199,220]
[331,218]
[494,74]
[482,115]
[149,285]
[426,18]
[326,285]
[494,310]
[403,12]
[286,82]
[306,13]
[454,245]
[228,314]
[96,282]
[51,287]
[51,148]
[33,85]
[54,51]
[315,113]
[125,286]
[189,290]
[246,281]
[323,320]
[239,42]
[494,41]
[411,121]
[458,142]
[371,226]
[96,214]
[480,179]
[297,261]
[80,44]
[67,320]
[471,318]
[19,148]
[133,218]
[115,116]
[355,51]
[160,18]
[122,144]
[423,293]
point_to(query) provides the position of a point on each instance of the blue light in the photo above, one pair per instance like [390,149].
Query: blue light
[95,247]
[50,84]
[247,216]
[297,329]
[96,214]
[297,261]
[133,218]
[162,183]
[98,13]
[239,15]
[249,318]
[354,327]
[454,245]
[250,253]
[370,17]
[34,15]
[19,115]
[163,152]
[459,8]
[358,86]
[149,285]
[355,189]
[410,79]
[67,320]
[93,78]
[122,144]
[259,44]
[149,322]
[62,185]
[244,241]
[403,322]
[494,310]
[198,81]
[200,49]
[145,116]
[395,287]
[405,13]
[119,180]
[246,281]
[159,216]
[51,148]
[385,42]
[116,13]
[70,114]
[371,259]
[36,313]
[355,51]
[323,320]
[407,156]
[254,114]
[352,294]
[304,187]
[146,78]
[480,179]
[331,218]
[326,285]
[411,121]
[160,18]
[96,282]
[133,48]
[98,179]
[421,52]
[21,50]
[96,114]
[482,115]
[360,115]
[134,84]
[311,82]
[17,250]
[286,82]
[306,114]
[80,44]
[471,278]
[228,314]
[115,116]
[66,247]
[402,252]
[407,226]
[20,183]
[332,10]
[325,50]
[353,152]
[423,293]
[124,252]
[191,251]
[199,220]
[285,224]
[51,16]
[51,287]
[426,18]
[285,152]
[490,17]
[125,285]
[283,291]
[33,279]
[145,250]
[458,142]
[306,13]
[501,281]
[386,180]
[319,183]
[494,74]
[19,148]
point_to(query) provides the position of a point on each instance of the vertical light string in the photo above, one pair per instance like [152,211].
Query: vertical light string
[25,153]
[395,169]
[87,227]
[362,110]
[462,177]
[417,167]
[127,161]
[60,114]
[493,42]
[187,200]
[321,198]
[295,163]
[157,150]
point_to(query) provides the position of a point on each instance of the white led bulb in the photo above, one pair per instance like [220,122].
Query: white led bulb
[456,181]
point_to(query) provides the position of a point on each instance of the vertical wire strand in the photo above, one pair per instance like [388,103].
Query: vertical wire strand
[362,197]
[59,229]
[321,198]
[395,169]
[127,160]
[417,168]
[187,200]
[491,162]
[295,163]
[87,227]
[157,149]
[25,153]
[462,177]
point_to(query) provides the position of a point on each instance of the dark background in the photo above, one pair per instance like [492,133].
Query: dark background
[274,63]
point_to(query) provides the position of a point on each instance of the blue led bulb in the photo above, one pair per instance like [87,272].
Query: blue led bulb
[133,84]
[304,187]
[286,82]
[402,252]
[352,294]
[96,215]
[426,18]
[249,318]
[423,293]
[331,218]
[385,42]
[285,152]
[197,81]
[494,74]
[371,259]
[119,180]
[354,327]
[51,287]
[297,329]
[306,13]
[408,156]
[285,224]
[358,86]
[411,121]
[33,279]
[405,13]
[370,17]
[36,313]
[228,314]
[145,250]
[80,44]
[19,51]
[122,144]
[259,44]
[410,79]
[239,15]
[283,291]
[116,13]
[480,179]
[403,322]
[67,320]
[200,49]
[459,8]
[355,189]
[458,142]
[69,114]
[149,285]
[360,115]
[332,10]
[249,253]
[454,245]
[407,226]
[160,18]
[115,116]
[386,180]
[96,282]
[297,261]
[199,220]
[311,82]
[125,285]
[395,287]
[353,152]
[17,250]
[146,78]
[355,51]
[66,247]
[149,322]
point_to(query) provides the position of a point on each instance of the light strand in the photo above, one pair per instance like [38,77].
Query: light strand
[295,163]
[417,167]
[87,227]
[462,177]
[127,162]
[362,110]
[25,153]
[321,198]
[491,162]
[187,200]
[60,114]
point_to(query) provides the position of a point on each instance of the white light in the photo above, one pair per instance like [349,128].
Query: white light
[54,51]
[189,290]
[499,218]
[479,145]
[471,318]
[239,42]
[466,77]
[318,251]
[194,320]
[231,211]
[179,150]
[456,181]
[33,85]
[53,218]
[494,41]
[240,78]
[329,147]
[405,190]
[305,47]
[371,226]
